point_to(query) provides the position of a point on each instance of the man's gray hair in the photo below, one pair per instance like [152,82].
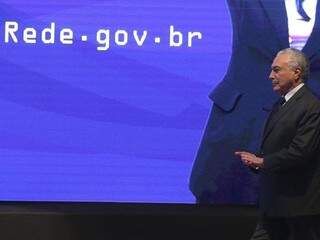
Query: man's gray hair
[297,60]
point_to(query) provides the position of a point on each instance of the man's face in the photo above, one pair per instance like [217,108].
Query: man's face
[282,76]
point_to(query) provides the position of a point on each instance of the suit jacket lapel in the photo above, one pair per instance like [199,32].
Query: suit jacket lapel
[281,113]
[277,14]
[312,46]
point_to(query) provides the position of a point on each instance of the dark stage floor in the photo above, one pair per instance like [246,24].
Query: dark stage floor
[95,221]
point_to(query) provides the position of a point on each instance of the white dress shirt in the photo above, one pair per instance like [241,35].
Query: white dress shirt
[293,91]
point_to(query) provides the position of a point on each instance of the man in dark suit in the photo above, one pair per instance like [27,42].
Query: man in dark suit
[260,30]
[289,157]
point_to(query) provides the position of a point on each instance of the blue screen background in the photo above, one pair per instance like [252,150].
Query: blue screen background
[121,125]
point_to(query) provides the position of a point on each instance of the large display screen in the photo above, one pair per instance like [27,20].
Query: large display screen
[106,100]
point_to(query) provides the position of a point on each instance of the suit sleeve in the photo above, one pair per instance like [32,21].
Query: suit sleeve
[304,145]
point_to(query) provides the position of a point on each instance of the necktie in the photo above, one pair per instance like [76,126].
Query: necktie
[275,110]
[282,101]
[301,11]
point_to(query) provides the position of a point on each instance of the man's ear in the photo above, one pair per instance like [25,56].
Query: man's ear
[297,73]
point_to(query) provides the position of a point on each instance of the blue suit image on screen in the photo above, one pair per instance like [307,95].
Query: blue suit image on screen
[243,98]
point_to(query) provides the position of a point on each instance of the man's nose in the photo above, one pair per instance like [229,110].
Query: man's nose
[271,77]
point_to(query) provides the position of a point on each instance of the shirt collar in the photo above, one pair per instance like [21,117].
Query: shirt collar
[293,91]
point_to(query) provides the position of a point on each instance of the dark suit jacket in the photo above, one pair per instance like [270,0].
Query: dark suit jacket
[260,30]
[290,179]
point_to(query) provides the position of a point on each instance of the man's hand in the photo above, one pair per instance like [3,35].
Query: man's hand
[250,159]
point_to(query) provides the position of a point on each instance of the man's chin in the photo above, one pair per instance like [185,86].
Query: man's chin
[276,89]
